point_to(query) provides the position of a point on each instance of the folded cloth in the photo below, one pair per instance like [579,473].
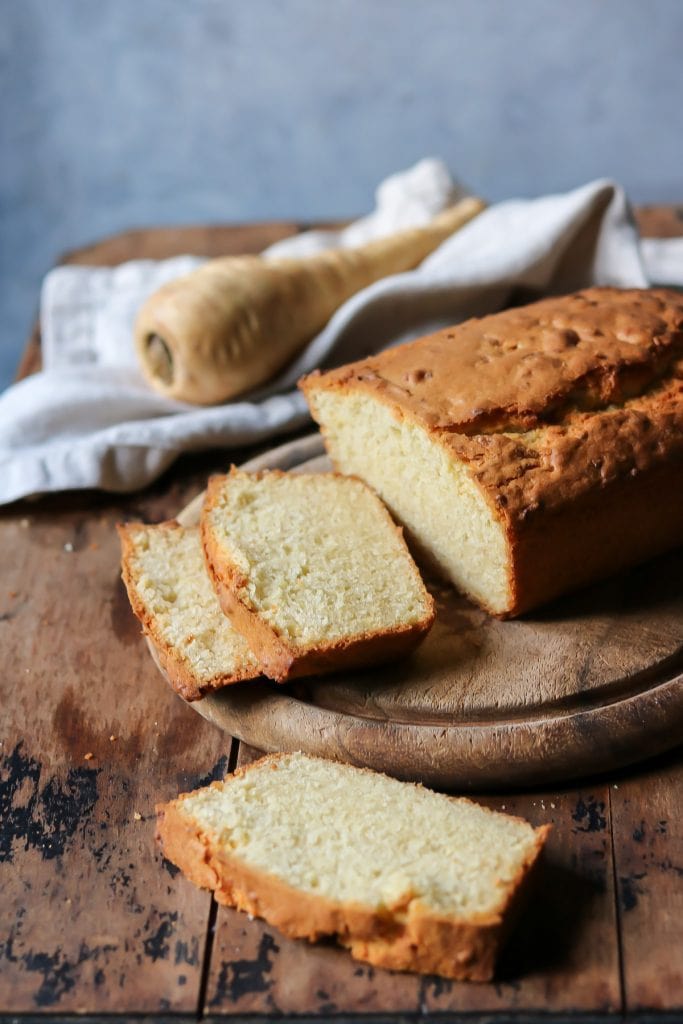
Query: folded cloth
[89,420]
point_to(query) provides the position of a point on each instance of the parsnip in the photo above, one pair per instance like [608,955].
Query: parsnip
[233,323]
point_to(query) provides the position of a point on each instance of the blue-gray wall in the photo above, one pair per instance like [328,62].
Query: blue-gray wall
[119,113]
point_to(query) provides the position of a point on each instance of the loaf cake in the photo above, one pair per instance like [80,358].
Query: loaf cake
[526,453]
[404,877]
[312,570]
[170,593]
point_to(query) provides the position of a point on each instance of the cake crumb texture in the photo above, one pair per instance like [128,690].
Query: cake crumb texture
[170,592]
[315,561]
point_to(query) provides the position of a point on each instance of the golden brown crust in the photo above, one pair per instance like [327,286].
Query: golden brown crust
[280,660]
[631,520]
[173,663]
[565,413]
[407,937]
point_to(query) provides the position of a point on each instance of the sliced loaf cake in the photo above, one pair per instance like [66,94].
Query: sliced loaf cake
[312,570]
[404,877]
[170,593]
[521,451]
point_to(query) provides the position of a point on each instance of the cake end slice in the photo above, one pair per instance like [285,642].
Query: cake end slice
[170,593]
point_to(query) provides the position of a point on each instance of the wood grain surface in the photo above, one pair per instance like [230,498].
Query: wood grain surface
[648,864]
[93,921]
[91,915]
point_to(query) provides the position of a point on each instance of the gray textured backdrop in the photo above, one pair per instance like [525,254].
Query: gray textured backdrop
[122,113]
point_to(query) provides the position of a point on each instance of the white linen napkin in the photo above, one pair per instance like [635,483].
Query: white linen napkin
[88,419]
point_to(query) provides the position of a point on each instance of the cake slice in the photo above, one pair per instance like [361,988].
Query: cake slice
[312,570]
[404,877]
[171,594]
[526,453]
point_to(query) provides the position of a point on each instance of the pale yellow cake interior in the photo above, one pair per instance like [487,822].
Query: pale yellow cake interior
[360,837]
[426,490]
[321,558]
[174,587]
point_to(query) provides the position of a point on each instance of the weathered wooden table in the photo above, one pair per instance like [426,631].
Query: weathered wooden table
[93,920]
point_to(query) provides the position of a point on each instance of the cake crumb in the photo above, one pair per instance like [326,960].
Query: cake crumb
[89,756]
[137,816]
[112,738]
[68,546]
[553,806]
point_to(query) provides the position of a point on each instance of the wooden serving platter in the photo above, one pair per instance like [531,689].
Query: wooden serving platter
[589,683]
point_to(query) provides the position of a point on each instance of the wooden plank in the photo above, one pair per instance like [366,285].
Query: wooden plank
[165,1018]
[562,957]
[158,243]
[660,221]
[647,832]
[647,815]
[91,918]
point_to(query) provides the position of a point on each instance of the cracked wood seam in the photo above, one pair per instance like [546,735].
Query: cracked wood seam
[647,815]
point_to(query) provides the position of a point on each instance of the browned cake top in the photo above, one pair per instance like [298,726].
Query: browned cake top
[548,400]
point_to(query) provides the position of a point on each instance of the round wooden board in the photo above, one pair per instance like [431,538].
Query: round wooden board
[588,684]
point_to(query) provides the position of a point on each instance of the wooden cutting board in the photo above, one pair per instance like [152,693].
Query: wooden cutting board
[590,683]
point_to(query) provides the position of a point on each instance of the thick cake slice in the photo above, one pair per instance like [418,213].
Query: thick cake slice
[312,570]
[406,878]
[526,453]
[170,593]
